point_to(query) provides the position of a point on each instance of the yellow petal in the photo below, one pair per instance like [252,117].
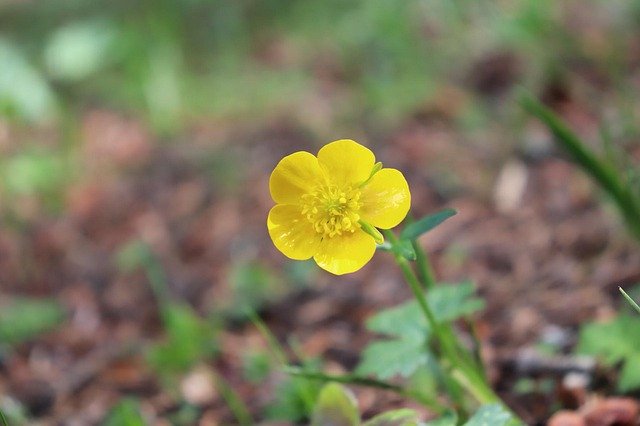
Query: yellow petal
[292,233]
[295,174]
[385,199]
[345,253]
[346,161]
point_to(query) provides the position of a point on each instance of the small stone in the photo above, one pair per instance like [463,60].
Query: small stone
[198,387]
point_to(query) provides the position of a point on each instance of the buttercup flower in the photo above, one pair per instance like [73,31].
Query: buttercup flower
[327,207]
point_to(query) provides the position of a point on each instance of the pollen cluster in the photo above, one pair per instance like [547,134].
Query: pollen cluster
[332,210]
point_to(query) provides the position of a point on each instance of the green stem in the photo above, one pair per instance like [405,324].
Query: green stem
[273,344]
[465,373]
[431,403]
[280,355]
[629,299]
[425,271]
[4,419]
[236,405]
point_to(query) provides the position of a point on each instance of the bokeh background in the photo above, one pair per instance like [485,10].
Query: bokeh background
[136,143]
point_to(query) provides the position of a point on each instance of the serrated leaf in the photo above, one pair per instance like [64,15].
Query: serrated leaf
[490,415]
[22,318]
[405,320]
[388,358]
[401,417]
[404,355]
[426,224]
[615,341]
[448,303]
[336,406]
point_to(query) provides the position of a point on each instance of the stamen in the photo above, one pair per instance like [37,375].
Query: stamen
[332,210]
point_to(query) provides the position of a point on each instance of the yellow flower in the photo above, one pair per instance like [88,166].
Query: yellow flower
[327,206]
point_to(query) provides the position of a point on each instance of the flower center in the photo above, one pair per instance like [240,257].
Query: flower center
[332,210]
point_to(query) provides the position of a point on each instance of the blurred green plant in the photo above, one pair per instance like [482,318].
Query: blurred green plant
[337,406]
[405,352]
[615,181]
[189,338]
[615,341]
[180,58]
[125,413]
[22,319]
[632,302]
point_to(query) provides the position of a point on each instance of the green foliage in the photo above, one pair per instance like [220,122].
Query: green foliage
[253,285]
[487,415]
[24,92]
[407,350]
[189,339]
[615,342]
[79,49]
[294,400]
[622,191]
[389,358]
[450,418]
[256,366]
[491,415]
[22,319]
[426,224]
[336,406]
[400,417]
[33,173]
[125,413]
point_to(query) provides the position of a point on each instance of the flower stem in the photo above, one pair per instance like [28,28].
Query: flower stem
[424,267]
[431,403]
[465,372]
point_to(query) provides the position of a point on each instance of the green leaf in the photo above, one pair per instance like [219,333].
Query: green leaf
[404,248]
[336,406]
[448,419]
[22,319]
[295,397]
[490,415]
[189,340]
[401,417]
[77,50]
[615,341]
[125,413]
[408,351]
[426,224]
[388,358]
[630,374]
[448,303]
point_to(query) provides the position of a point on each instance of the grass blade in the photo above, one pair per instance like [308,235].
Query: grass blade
[630,300]
[606,176]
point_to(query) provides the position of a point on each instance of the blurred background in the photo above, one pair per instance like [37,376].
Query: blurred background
[136,143]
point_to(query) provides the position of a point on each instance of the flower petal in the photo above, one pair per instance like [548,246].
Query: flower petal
[385,199]
[346,161]
[291,232]
[295,174]
[345,253]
